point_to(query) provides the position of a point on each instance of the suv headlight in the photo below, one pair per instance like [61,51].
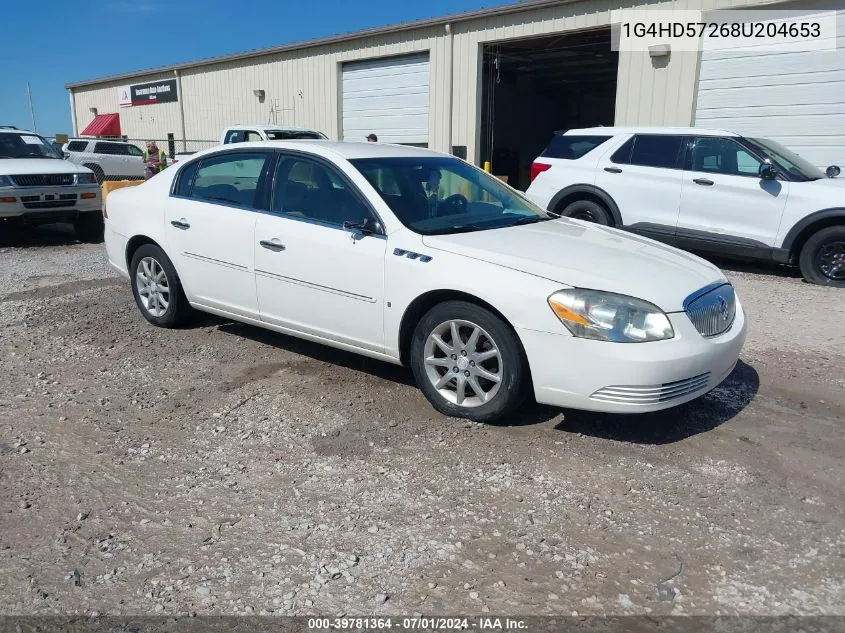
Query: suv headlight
[606,316]
[5,181]
[86,179]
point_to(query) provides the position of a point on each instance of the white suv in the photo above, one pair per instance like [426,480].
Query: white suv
[109,160]
[38,187]
[708,190]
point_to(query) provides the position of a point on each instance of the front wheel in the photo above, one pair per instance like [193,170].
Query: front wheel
[157,289]
[468,362]
[822,259]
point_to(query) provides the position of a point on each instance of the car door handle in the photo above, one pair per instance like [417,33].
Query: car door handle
[181,224]
[703,181]
[273,245]
[613,170]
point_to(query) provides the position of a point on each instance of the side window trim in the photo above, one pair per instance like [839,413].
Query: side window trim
[351,187]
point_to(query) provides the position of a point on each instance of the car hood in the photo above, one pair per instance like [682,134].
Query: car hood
[13,166]
[584,255]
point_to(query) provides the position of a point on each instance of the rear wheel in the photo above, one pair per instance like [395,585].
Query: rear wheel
[587,210]
[89,227]
[822,259]
[157,289]
[468,362]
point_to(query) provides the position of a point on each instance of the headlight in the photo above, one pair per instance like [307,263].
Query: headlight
[86,179]
[5,181]
[606,316]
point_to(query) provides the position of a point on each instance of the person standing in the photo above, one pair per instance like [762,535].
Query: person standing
[155,159]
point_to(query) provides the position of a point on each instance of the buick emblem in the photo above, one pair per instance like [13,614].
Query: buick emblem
[723,308]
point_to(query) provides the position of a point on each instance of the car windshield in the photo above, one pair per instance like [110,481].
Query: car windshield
[437,196]
[18,145]
[286,135]
[788,160]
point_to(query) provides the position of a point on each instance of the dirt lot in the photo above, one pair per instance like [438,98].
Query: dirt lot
[222,469]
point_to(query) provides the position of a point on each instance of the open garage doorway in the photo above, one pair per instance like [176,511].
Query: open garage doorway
[533,87]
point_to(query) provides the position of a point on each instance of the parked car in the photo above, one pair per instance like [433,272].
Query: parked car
[38,187]
[109,160]
[484,295]
[249,133]
[708,190]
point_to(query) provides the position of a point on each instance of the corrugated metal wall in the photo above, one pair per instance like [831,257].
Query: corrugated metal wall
[302,87]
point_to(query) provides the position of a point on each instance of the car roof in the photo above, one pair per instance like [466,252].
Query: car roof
[610,131]
[264,126]
[348,150]
[14,130]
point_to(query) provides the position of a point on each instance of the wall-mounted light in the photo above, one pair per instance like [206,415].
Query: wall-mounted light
[259,94]
[659,50]
[93,111]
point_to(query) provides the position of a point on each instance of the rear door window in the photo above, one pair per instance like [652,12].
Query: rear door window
[664,151]
[572,147]
[230,178]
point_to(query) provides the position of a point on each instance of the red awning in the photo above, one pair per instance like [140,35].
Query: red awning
[103,125]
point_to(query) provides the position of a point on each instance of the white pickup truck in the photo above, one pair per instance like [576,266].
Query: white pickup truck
[249,133]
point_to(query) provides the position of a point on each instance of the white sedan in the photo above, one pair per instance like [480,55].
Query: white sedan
[418,258]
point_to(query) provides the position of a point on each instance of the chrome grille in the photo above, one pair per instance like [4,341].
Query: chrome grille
[712,310]
[43,180]
[652,394]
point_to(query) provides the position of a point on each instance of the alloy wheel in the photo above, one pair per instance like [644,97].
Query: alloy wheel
[153,286]
[830,260]
[463,363]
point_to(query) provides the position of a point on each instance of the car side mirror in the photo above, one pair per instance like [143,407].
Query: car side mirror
[768,171]
[833,171]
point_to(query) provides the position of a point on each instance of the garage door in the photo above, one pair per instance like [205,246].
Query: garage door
[796,98]
[386,97]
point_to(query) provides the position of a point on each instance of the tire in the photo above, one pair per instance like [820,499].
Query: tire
[98,171]
[89,227]
[587,210]
[822,259]
[168,309]
[493,335]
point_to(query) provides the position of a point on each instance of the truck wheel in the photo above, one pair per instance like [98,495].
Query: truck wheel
[89,227]
[822,259]
[587,210]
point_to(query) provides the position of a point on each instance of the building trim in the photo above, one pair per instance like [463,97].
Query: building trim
[507,9]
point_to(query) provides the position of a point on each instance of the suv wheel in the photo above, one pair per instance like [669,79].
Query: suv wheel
[822,260]
[468,362]
[587,210]
[157,289]
[89,227]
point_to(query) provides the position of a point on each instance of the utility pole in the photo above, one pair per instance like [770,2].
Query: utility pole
[31,107]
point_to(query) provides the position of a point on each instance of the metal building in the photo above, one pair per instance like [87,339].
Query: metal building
[485,85]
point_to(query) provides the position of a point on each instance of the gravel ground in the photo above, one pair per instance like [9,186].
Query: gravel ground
[223,469]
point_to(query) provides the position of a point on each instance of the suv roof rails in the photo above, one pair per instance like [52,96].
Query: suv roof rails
[8,127]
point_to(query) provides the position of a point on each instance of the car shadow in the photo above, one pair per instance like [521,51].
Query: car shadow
[662,427]
[529,414]
[59,234]
[671,425]
[756,267]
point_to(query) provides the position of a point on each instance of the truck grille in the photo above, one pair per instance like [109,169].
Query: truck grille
[44,180]
[652,394]
[712,310]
